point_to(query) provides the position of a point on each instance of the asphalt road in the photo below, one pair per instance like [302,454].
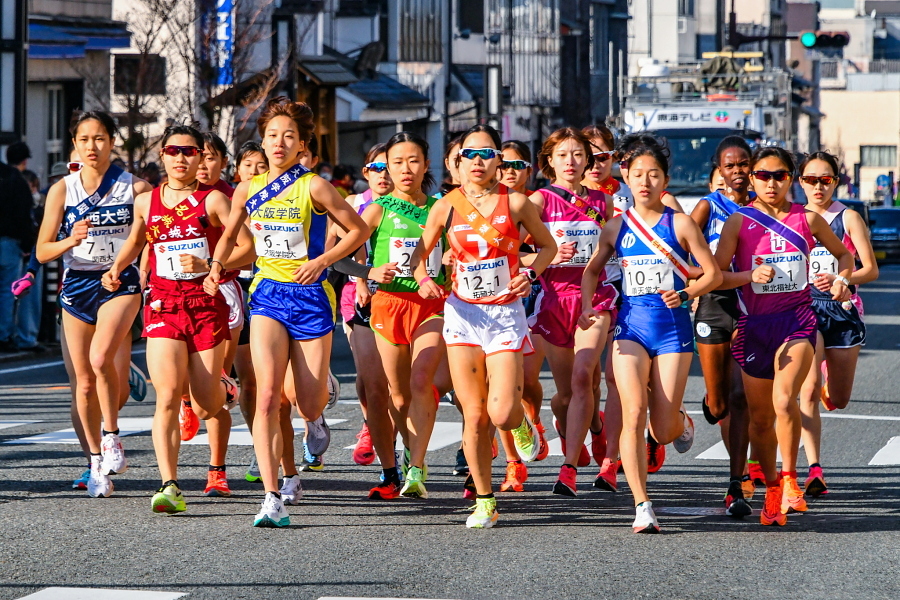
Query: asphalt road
[544,546]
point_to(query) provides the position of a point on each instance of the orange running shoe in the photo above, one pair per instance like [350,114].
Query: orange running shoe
[387,490]
[598,443]
[824,396]
[566,484]
[607,478]
[748,487]
[494,449]
[217,484]
[656,455]
[792,499]
[187,420]
[469,491]
[364,453]
[756,473]
[584,459]
[516,474]
[543,449]
[771,512]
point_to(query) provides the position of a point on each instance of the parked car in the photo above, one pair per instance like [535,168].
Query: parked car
[884,225]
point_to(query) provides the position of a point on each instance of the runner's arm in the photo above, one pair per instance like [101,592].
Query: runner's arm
[132,247]
[434,227]
[700,214]
[859,235]
[688,231]
[725,252]
[47,248]
[606,247]
[237,218]
[821,230]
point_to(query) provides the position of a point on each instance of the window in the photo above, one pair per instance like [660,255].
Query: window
[139,74]
[685,8]
[56,124]
[470,15]
[878,156]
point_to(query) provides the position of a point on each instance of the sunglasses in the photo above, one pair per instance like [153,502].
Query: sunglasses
[482,153]
[378,167]
[74,167]
[188,151]
[517,165]
[767,175]
[825,180]
[603,156]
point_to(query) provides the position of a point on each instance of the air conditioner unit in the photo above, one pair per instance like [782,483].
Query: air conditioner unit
[682,24]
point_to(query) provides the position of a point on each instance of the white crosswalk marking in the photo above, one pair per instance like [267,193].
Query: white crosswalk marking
[719,452]
[67,436]
[240,434]
[889,453]
[60,593]
[8,424]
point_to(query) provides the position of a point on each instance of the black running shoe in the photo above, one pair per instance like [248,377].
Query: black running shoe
[462,466]
[735,505]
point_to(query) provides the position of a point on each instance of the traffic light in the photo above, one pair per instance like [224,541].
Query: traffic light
[819,40]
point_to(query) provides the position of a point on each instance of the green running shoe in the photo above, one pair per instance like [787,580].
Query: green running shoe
[527,440]
[168,499]
[272,513]
[485,514]
[414,487]
[253,472]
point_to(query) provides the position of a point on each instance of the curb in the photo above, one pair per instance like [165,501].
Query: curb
[53,351]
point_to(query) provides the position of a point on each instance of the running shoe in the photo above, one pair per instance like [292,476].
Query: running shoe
[272,513]
[516,475]
[99,484]
[113,462]
[771,512]
[825,397]
[232,391]
[735,504]
[756,473]
[707,414]
[526,439]
[386,490]
[187,420]
[684,442]
[168,499]
[598,443]
[748,487]
[544,449]
[584,459]
[485,514]
[607,478]
[656,454]
[462,466]
[400,473]
[364,452]
[566,483]
[334,390]
[469,491]
[414,487]
[815,483]
[792,499]
[645,519]
[217,484]
[311,462]
[81,482]
[495,450]
[291,490]
[253,471]
[318,436]
[137,383]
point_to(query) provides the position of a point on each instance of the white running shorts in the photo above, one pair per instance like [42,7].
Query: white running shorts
[234,297]
[492,327]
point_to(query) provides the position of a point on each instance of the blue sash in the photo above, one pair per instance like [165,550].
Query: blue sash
[88,204]
[255,202]
[773,224]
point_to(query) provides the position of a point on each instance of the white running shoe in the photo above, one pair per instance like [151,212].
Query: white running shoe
[291,490]
[318,436]
[232,391]
[645,519]
[684,442]
[99,484]
[114,462]
[334,390]
[272,513]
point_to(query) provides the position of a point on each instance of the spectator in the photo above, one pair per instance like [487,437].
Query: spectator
[17,235]
[324,171]
[28,314]
[151,174]
[342,179]
[57,172]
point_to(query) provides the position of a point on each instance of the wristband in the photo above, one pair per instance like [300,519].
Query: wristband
[843,280]
[530,273]
[210,261]
[422,281]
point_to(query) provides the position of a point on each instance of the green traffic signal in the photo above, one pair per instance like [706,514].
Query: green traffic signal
[808,39]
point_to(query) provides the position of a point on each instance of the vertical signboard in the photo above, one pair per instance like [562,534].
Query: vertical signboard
[225,41]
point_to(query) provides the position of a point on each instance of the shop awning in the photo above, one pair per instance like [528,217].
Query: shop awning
[60,37]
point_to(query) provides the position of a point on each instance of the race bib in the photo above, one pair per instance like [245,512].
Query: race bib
[584,234]
[279,240]
[101,244]
[790,272]
[821,261]
[401,251]
[483,278]
[612,270]
[168,257]
[646,274]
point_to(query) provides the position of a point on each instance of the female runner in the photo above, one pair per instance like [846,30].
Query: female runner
[715,321]
[841,329]
[292,306]
[485,328]
[653,341]
[769,243]
[88,230]
[575,215]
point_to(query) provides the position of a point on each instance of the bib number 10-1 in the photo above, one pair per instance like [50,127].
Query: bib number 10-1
[642,275]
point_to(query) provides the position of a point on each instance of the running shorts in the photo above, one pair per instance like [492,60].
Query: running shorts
[397,315]
[307,312]
[198,319]
[840,327]
[556,317]
[759,337]
[492,327]
[348,300]
[82,295]
[716,318]
[658,329]
[234,298]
